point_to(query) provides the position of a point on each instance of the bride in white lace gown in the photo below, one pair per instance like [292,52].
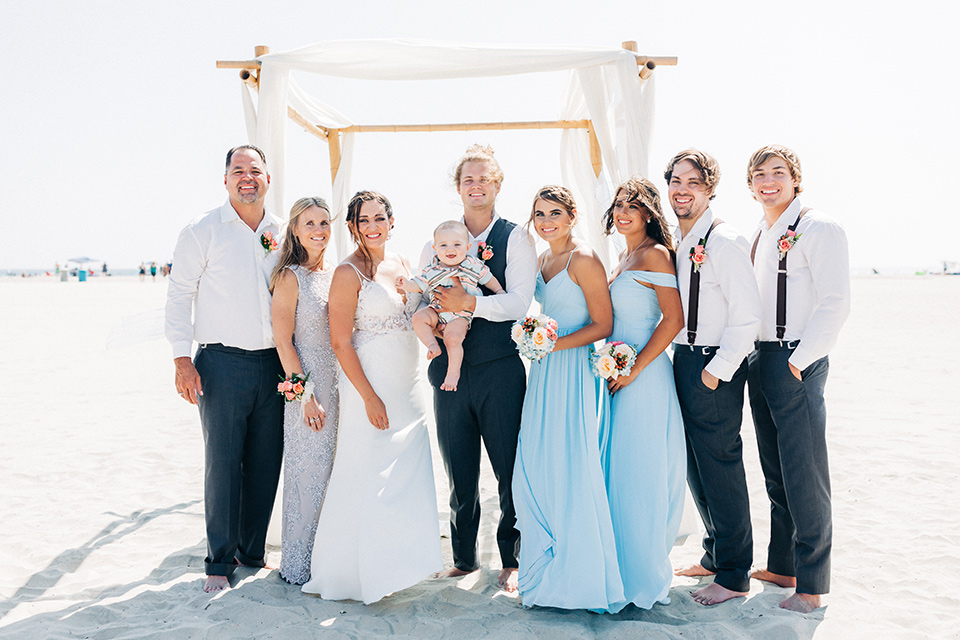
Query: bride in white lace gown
[379,529]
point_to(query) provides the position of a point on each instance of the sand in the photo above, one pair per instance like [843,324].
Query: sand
[101,508]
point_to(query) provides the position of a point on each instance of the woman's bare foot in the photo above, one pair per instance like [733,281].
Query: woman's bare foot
[216,583]
[507,580]
[450,382]
[713,594]
[801,602]
[777,579]
[433,350]
[452,572]
[692,570]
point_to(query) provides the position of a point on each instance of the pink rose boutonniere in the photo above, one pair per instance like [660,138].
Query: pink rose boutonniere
[268,242]
[786,242]
[698,254]
[484,251]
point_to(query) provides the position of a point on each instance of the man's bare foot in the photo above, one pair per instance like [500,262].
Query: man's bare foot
[433,351]
[450,382]
[692,570]
[786,582]
[713,594]
[266,565]
[452,572]
[216,583]
[507,580]
[801,602]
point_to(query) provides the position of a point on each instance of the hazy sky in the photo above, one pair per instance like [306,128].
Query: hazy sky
[114,118]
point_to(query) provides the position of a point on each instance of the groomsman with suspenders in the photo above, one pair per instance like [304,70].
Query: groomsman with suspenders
[801,263]
[722,315]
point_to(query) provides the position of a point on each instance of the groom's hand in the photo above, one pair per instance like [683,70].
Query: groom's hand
[187,380]
[455,298]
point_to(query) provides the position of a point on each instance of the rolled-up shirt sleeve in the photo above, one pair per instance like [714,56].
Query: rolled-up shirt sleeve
[182,287]
[739,288]
[828,257]
[521,280]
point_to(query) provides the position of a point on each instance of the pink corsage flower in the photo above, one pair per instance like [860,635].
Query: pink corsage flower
[484,251]
[698,254]
[786,242]
[268,242]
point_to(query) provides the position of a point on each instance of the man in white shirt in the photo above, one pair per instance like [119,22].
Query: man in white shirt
[489,397]
[721,317]
[218,296]
[801,262]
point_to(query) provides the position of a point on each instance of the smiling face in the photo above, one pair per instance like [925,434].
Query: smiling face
[246,179]
[629,216]
[551,220]
[688,193]
[773,185]
[313,229]
[478,187]
[451,246]
[373,224]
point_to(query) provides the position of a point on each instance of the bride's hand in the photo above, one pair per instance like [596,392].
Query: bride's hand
[377,413]
[313,414]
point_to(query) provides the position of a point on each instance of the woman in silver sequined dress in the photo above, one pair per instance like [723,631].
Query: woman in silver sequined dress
[301,331]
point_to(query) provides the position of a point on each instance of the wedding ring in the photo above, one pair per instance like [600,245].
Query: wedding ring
[181,394]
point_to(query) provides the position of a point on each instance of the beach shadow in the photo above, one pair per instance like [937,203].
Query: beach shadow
[69,560]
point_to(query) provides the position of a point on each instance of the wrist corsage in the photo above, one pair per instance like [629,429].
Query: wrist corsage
[268,242]
[786,242]
[296,388]
[484,251]
[536,336]
[612,360]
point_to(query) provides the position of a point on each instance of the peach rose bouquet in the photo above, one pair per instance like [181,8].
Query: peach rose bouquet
[535,336]
[612,360]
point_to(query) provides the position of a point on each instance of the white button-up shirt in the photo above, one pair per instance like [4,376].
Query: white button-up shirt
[520,275]
[218,290]
[729,304]
[818,282]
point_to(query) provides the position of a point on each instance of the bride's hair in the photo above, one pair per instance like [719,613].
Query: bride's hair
[292,251]
[353,212]
[641,191]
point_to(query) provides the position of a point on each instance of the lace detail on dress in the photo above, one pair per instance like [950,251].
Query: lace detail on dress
[308,455]
[380,310]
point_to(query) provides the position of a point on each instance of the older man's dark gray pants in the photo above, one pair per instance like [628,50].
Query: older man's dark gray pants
[712,421]
[791,420]
[242,419]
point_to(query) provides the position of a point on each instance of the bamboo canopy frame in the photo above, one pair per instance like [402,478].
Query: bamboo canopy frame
[250,72]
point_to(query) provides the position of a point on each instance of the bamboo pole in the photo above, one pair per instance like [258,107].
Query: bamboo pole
[333,141]
[469,126]
[647,70]
[596,160]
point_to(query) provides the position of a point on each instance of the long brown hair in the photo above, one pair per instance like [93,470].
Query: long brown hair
[353,212]
[641,191]
[292,252]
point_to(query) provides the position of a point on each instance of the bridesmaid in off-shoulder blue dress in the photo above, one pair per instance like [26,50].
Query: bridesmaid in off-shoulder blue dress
[642,444]
[568,556]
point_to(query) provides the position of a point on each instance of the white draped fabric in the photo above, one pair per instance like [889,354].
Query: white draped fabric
[604,87]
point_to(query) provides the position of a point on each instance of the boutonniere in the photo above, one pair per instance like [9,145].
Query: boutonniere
[484,251]
[268,242]
[786,242]
[698,253]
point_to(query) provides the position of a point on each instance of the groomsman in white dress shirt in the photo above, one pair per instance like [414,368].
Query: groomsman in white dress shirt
[802,267]
[218,296]
[721,317]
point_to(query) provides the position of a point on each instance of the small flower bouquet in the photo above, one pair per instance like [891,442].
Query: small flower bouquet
[295,388]
[484,251]
[786,242]
[612,360]
[535,336]
[268,242]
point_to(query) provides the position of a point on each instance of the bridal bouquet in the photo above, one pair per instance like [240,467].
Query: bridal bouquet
[535,336]
[612,360]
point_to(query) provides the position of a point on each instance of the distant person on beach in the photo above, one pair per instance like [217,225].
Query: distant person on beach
[801,262]
[224,261]
[153,271]
[489,398]
[143,271]
[104,268]
[721,310]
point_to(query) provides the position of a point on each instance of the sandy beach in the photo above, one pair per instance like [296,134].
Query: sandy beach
[101,511]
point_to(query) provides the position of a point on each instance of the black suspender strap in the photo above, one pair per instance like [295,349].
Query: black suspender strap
[781,279]
[693,301]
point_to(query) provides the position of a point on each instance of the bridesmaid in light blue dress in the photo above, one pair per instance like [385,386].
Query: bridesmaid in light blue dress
[568,556]
[642,444]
